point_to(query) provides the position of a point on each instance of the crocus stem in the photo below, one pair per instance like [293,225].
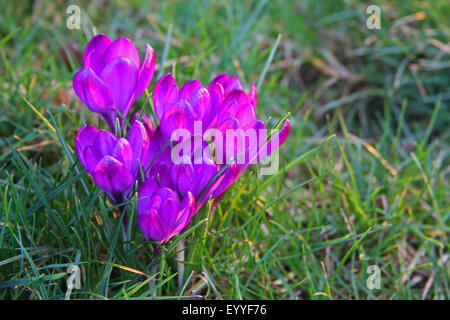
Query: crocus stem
[125,226]
[180,262]
[120,199]
[151,283]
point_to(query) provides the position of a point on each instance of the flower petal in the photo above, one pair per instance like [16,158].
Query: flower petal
[94,61]
[151,226]
[204,173]
[165,193]
[98,44]
[145,194]
[180,115]
[253,96]
[231,85]
[146,121]
[168,213]
[189,88]
[219,186]
[124,153]
[146,73]
[231,105]
[122,47]
[92,91]
[120,76]
[113,177]
[165,93]
[220,78]
[186,211]
[160,171]
[183,177]
[200,102]
[277,140]
[90,159]
[105,142]
[245,114]
[85,137]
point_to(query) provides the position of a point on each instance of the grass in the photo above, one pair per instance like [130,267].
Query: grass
[363,176]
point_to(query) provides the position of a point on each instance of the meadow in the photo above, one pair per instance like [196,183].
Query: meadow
[362,188]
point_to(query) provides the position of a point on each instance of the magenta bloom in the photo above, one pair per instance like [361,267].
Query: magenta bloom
[179,108]
[161,213]
[222,107]
[112,162]
[113,77]
[197,176]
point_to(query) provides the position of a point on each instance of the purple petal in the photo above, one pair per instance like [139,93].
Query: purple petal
[231,105]
[146,121]
[205,172]
[91,159]
[105,142]
[220,78]
[165,193]
[237,96]
[165,93]
[145,194]
[245,114]
[120,76]
[189,88]
[151,226]
[94,61]
[253,96]
[124,153]
[85,137]
[122,47]
[179,116]
[187,210]
[113,177]
[183,176]
[200,102]
[253,147]
[220,185]
[93,55]
[92,91]
[159,150]
[146,73]
[197,96]
[277,140]
[195,174]
[231,85]
[160,172]
[168,213]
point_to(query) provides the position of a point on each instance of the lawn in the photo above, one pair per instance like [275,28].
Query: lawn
[361,192]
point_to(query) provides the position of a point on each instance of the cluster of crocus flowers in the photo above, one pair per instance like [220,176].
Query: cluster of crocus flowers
[189,158]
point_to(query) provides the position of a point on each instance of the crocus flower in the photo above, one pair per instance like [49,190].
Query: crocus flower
[113,162]
[113,77]
[223,106]
[179,108]
[161,213]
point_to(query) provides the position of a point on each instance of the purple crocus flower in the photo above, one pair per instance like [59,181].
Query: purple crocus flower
[223,106]
[161,213]
[113,162]
[113,77]
[234,109]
